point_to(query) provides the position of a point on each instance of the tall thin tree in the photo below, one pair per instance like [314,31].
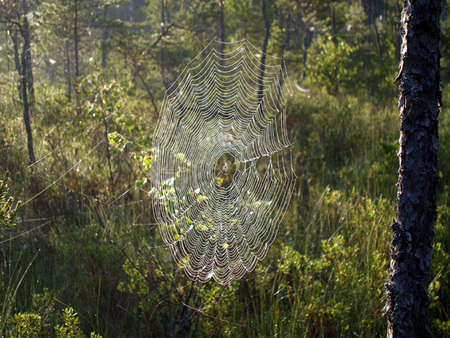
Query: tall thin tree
[161,55]
[27,48]
[17,25]
[413,230]
[222,28]
[76,44]
[105,36]
[264,50]
[76,39]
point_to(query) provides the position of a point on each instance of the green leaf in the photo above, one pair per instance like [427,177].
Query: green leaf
[180,156]
[201,226]
[141,182]
[201,198]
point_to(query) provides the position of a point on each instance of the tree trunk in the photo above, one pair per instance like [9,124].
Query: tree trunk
[411,247]
[306,43]
[17,63]
[262,70]
[333,25]
[69,83]
[221,29]
[282,49]
[161,52]
[76,45]
[132,20]
[132,17]
[364,4]
[26,107]
[108,155]
[76,41]
[27,49]
[23,69]
[8,67]
[374,24]
[105,35]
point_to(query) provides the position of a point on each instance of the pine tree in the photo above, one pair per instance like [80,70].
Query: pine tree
[411,246]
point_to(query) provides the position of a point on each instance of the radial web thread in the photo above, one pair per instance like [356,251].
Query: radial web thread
[222,174]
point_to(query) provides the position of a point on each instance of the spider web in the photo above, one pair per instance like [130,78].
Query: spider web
[222,174]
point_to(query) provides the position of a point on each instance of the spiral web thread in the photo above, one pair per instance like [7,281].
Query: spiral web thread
[222,174]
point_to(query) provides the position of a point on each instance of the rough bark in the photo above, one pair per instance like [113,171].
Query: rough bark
[413,230]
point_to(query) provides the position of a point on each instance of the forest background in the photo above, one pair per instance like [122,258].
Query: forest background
[81,254]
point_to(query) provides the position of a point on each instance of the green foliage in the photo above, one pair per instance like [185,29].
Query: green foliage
[70,327]
[331,64]
[26,325]
[445,47]
[43,305]
[10,281]
[439,289]
[95,269]
[154,290]
[336,287]
[38,323]
[100,98]
[7,210]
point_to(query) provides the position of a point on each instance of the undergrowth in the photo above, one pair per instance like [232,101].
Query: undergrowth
[84,256]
